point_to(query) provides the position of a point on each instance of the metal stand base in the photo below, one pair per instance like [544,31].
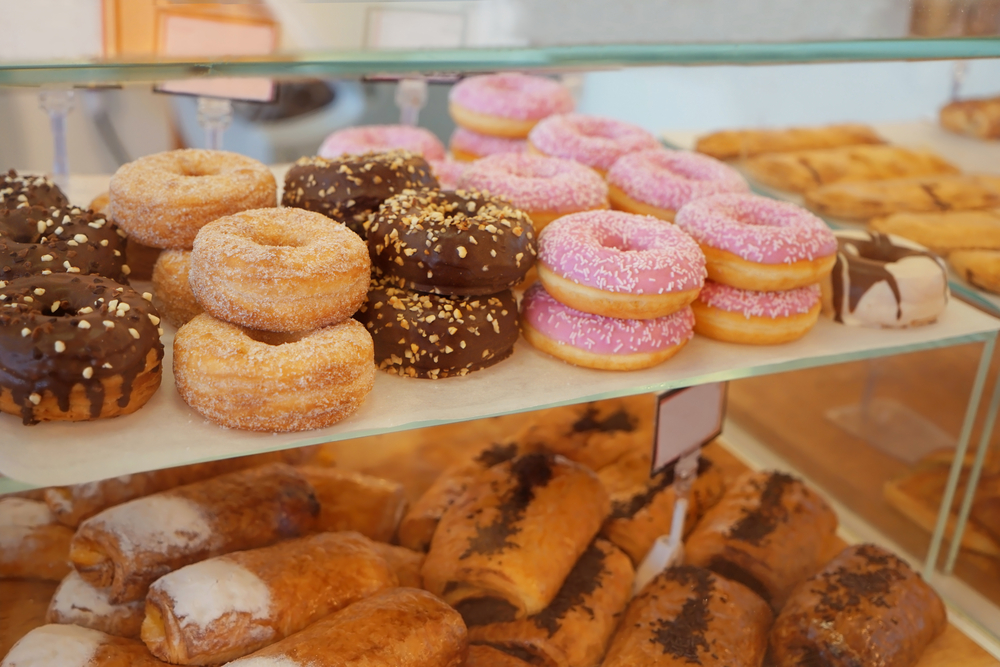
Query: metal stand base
[891,427]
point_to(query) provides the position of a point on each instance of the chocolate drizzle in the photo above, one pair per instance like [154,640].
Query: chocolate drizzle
[758,523]
[496,454]
[620,420]
[585,578]
[683,636]
[663,480]
[519,652]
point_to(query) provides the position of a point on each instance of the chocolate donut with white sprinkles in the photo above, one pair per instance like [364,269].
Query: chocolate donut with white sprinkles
[19,190]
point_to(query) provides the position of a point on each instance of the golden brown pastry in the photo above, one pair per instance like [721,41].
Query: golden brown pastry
[405,563]
[866,607]
[799,171]
[403,627]
[980,267]
[481,655]
[947,231]
[502,551]
[351,501]
[868,199]
[974,118]
[733,144]
[224,608]
[73,646]
[129,546]
[574,630]
[769,532]
[76,602]
[172,293]
[32,544]
[688,615]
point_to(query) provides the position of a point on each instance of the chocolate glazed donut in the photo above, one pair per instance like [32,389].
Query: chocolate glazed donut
[19,191]
[461,243]
[35,240]
[75,348]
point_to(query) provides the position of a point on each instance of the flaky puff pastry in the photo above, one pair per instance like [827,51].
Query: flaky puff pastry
[73,646]
[76,602]
[481,655]
[224,608]
[574,630]
[502,551]
[403,627]
[688,615]
[405,563]
[868,199]
[349,500]
[129,546]
[974,118]
[32,544]
[734,144]
[945,231]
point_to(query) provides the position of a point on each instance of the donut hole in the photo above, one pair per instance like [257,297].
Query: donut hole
[186,167]
[277,238]
[273,337]
[616,242]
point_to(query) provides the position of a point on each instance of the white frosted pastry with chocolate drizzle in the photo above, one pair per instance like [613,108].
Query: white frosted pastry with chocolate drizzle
[883,280]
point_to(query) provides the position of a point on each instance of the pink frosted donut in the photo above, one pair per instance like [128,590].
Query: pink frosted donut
[448,172]
[658,182]
[506,105]
[759,244]
[468,145]
[759,318]
[619,264]
[591,140]
[544,187]
[594,341]
[382,138]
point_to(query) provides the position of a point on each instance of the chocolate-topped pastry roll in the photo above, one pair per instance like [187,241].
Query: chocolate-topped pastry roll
[73,646]
[481,655]
[865,607]
[502,551]
[403,627]
[129,546]
[21,190]
[574,630]
[32,544]
[226,607]
[769,532]
[76,602]
[689,615]
[349,500]
[351,187]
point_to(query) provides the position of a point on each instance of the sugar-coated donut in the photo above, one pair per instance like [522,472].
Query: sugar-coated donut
[658,182]
[594,341]
[171,290]
[19,190]
[461,243]
[279,270]
[162,200]
[261,381]
[506,105]
[75,348]
[467,145]
[434,336]
[448,172]
[760,244]
[591,140]
[380,139]
[621,265]
[755,318]
[37,240]
[885,281]
[545,188]
[349,188]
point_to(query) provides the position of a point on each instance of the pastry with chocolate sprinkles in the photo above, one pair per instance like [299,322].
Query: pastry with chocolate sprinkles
[574,630]
[350,188]
[461,243]
[690,616]
[866,607]
[769,532]
[434,336]
[37,240]
[20,190]
[76,348]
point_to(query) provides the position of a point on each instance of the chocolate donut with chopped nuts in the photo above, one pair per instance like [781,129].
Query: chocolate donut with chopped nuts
[434,336]
[38,240]
[460,243]
[75,348]
[20,190]
[352,187]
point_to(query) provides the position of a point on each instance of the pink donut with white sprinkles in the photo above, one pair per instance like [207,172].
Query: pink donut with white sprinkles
[449,172]
[667,180]
[601,342]
[382,138]
[512,95]
[591,140]
[748,303]
[751,317]
[468,145]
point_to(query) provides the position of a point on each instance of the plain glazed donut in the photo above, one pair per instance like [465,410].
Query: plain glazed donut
[162,200]
[171,290]
[279,270]
[755,318]
[545,188]
[467,145]
[620,265]
[506,105]
[76,348]
[593,341]
[759,244]
[591,140]
[258,381]
[658,182]
[382,139]
[19,190]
